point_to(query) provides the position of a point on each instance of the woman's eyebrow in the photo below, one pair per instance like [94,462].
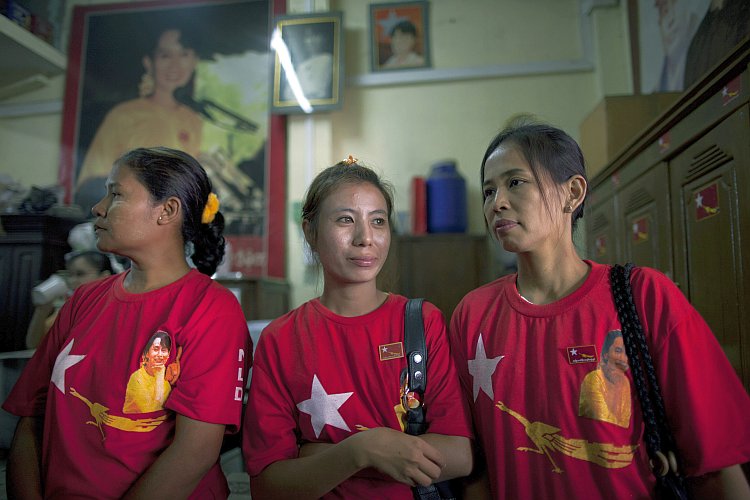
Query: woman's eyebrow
[507,173]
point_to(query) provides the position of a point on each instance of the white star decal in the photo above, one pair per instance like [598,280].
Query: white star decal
[482,370]
[323,408]
[574,352]
[64,361]
[699,200]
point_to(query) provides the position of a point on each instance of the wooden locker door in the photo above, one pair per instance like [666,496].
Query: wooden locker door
[645,223]
[710,217]
[602,243]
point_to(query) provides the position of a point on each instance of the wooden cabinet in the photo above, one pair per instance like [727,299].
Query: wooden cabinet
[441,268]
[710,190]
[261,298]
[678,199]
[32,248]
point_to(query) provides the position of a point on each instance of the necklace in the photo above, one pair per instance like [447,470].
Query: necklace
[518,291]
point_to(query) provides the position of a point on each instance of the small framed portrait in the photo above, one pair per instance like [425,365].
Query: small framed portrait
[308,63]
[399,36]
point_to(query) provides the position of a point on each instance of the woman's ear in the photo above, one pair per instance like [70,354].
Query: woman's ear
[309,237]
[170,210]
[576,188]
[147,65]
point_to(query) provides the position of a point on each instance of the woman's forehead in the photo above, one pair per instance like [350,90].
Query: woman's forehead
[505,158]
[354,192]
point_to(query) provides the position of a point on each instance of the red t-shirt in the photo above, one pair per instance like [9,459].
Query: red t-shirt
[91,363]
[549,431]
[312,359]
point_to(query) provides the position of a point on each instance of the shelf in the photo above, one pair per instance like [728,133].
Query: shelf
[27,61]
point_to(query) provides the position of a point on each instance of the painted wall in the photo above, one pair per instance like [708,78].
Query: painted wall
[553,58]
[402,129]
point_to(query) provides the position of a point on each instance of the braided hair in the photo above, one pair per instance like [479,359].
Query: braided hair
[644,374]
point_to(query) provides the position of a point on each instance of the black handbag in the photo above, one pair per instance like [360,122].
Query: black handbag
[660,443]
[416,381]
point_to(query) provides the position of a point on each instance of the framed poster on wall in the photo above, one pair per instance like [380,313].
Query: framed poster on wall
[192,75]
[675,44]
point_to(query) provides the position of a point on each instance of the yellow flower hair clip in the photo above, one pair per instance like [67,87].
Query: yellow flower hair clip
[351,160]
[209,211]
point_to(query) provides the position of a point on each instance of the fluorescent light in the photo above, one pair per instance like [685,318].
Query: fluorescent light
[282,52]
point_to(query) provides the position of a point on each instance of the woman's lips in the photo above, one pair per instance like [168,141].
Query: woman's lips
[504,225]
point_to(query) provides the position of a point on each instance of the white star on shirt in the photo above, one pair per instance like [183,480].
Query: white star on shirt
[574,352]
[64,361]
[323,408]
[698,200]
[482,370]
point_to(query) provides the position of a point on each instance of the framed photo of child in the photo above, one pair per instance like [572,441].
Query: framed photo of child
[399,36]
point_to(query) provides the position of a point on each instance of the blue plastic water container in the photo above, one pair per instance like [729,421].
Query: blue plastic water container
[446,199]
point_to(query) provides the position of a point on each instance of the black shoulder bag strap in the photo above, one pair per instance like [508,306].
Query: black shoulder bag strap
[416,362]
[660,443]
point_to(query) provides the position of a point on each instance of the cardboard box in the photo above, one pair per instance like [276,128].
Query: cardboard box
[42,28]
[615,122]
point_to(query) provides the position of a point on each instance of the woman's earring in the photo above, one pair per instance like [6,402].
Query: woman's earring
[568,209]
[146,87]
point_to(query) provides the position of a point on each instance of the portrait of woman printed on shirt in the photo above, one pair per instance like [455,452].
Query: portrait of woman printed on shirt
[326,399]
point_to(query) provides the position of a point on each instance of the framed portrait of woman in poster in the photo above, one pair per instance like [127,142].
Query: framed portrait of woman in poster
[191,75]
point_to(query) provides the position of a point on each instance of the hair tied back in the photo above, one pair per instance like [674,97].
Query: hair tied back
[209,211]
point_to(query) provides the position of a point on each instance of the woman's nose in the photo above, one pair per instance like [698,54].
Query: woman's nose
[98,209]
[500,202]
[363,235]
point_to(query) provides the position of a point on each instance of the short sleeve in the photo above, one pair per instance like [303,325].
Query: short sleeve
[446,408]
[706,404]
[214,360]
[28,398]
[270,430]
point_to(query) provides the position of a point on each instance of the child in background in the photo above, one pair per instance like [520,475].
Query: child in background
[82,267]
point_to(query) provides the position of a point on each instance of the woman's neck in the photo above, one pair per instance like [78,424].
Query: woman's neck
[163,99]
[352,300]
[144,278]
[546,279]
